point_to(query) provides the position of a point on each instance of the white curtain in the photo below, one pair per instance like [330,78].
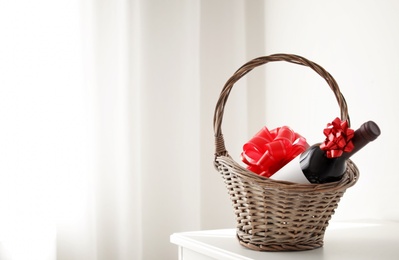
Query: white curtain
[106,122]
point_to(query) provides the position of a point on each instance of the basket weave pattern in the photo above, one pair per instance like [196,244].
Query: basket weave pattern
[277,215]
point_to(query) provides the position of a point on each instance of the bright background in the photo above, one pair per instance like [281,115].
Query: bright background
[106,108]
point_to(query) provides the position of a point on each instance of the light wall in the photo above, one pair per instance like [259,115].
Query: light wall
[356,41]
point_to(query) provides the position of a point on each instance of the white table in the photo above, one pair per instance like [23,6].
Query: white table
[363,240]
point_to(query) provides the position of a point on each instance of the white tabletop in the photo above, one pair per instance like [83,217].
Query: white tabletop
[365,240]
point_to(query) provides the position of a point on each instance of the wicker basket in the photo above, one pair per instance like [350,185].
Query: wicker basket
[278,215]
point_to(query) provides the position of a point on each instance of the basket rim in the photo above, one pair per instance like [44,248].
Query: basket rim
[349,179]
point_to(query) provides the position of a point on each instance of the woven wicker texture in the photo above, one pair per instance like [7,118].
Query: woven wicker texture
[277,215]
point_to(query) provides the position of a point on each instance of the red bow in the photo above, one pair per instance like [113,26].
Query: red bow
[338,138]
[268,151]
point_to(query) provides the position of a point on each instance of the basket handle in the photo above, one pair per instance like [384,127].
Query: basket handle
[247,67]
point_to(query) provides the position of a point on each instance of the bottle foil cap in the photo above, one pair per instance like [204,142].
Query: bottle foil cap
[370,130]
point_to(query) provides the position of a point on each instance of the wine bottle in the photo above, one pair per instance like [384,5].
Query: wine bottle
[318,167]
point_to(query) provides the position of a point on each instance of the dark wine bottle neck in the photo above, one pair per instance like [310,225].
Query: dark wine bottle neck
[368,132]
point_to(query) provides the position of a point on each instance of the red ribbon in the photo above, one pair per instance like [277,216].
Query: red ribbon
[338,138]
[268,151]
